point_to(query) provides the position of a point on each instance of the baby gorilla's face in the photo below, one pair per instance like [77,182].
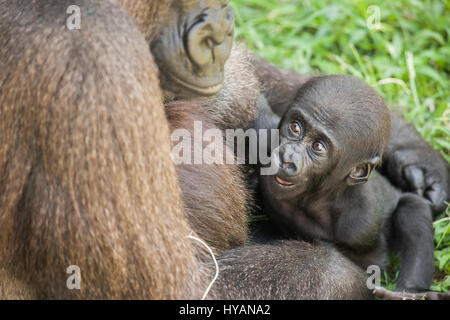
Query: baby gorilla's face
[331,137]
[306,157]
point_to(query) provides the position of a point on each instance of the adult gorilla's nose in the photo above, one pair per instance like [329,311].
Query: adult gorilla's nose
[193,46]
[289,161]
[211,38]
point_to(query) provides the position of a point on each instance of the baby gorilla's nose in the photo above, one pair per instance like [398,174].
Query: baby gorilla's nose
[289,168]
[289,159]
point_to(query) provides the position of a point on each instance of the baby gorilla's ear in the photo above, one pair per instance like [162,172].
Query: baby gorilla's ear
[361,173]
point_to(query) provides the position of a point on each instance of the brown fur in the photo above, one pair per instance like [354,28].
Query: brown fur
[13,289]
[149,16]
[278,86]
[83,149]
[216,199]
[235,105]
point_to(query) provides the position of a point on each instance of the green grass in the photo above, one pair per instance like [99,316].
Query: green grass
[407,59]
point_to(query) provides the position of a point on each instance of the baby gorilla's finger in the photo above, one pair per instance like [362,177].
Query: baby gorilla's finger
[402,159]
[435,193]
[416,179]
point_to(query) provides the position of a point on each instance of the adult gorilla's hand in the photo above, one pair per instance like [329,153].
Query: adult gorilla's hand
[385,294]
[414,166]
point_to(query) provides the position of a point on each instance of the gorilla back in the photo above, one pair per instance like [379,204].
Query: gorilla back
[81,118]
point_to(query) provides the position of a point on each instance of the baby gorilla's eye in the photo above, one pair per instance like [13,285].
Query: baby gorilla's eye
[295,127]
[318,146]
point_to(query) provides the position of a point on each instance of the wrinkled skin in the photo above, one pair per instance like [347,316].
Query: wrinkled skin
[193,47]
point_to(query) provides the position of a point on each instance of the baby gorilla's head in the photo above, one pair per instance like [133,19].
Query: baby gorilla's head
[331,137]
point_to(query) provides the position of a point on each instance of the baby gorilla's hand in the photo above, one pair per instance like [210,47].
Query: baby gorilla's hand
[422,172]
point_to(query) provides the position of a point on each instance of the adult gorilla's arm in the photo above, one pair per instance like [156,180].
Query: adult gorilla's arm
[409,162]
[278,86]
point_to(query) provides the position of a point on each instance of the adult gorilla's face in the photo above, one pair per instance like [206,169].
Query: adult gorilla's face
[193,47]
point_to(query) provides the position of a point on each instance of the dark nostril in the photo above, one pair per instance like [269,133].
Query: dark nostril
[223,24]
[289,168]
[209,40]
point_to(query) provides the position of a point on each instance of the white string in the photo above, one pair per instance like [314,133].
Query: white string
[215,262]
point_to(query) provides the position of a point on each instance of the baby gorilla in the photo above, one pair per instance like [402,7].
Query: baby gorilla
[331,139]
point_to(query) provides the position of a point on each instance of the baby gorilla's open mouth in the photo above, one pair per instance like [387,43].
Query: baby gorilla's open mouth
[283,182]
